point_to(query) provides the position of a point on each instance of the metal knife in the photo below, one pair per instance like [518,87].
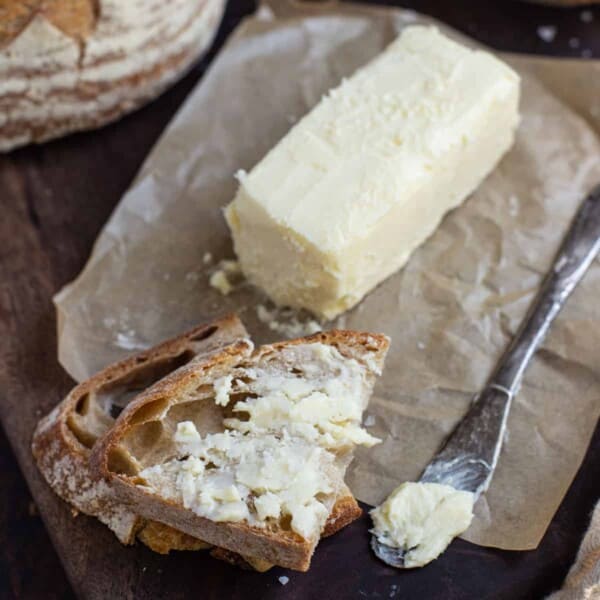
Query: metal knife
[468,457]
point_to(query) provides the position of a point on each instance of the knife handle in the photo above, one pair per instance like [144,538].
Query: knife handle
[578,250]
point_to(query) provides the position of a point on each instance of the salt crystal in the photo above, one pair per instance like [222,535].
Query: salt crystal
[283,580]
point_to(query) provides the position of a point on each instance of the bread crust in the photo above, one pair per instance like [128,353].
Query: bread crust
[284,547]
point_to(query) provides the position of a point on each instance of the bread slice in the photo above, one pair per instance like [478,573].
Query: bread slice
[63,440]
[222,396]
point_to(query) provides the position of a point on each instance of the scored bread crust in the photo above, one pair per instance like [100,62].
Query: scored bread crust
[78,64]
[114,461]
[62,443]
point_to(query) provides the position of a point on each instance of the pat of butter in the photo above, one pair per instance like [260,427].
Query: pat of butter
[422,519]
[344,198]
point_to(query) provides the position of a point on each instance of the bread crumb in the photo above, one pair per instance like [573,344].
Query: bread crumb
[219,281]
[283,580]
[227,275]
[285,322]
[547,32]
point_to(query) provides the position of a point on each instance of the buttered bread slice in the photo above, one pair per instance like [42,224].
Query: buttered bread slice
[340,203]
[63,441]
[247,448]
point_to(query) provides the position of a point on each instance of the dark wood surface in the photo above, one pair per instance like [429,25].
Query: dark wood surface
[53,200]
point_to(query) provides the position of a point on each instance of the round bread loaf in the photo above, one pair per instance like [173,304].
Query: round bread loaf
[67,65]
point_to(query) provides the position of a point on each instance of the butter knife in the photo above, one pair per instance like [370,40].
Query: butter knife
[469,456]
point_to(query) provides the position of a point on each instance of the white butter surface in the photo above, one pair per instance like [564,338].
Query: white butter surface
[344,198]
[422,519]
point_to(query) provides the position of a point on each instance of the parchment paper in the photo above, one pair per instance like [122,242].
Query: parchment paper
[450,312]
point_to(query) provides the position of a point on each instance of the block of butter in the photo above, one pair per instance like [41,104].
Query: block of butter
[364,178]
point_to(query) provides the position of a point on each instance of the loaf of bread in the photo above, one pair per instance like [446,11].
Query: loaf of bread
[67,65]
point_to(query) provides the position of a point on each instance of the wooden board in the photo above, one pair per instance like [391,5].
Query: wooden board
[53,200]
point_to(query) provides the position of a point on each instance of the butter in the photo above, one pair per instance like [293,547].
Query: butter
[341,202]
[322,404]
[422,519]
[252,479]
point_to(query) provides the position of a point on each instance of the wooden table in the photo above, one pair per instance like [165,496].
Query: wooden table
[54,200]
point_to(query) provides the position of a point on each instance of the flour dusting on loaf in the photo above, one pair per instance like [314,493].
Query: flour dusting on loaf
[71,65]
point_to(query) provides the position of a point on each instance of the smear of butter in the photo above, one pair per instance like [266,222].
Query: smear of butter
[422,519]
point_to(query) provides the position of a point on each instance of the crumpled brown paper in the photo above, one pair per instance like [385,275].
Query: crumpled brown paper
[450,312]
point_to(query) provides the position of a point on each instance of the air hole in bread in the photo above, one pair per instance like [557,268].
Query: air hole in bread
[150,411]
[203,412]
[202,335]
[84,436]
[120,462]
[148,434]
[286,522]
[87,422]
[115,395]
[83,405]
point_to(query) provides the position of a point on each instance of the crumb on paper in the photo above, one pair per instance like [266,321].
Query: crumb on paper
[226,277]
[547,32]
[219,281]
[207,258]
[369,421]
[284,321]
[586,16]
[128,341]
[284,580]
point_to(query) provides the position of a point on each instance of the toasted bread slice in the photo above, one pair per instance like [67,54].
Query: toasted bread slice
[63,440]
[140,457]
